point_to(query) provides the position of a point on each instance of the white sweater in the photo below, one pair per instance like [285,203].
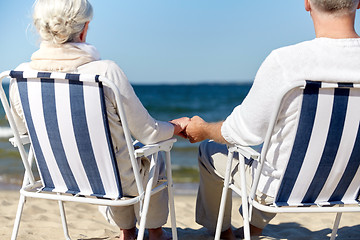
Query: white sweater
[142,126]
[321,59]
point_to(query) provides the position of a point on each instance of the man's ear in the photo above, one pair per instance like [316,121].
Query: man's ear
[308,7]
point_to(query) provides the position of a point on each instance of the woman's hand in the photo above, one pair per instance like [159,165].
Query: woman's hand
[180,125]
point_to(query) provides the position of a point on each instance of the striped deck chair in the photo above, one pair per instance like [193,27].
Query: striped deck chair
[323,168]
[70,140]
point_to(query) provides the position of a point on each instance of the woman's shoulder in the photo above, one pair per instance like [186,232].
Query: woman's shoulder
[106,68]
[23,67]
[100,66]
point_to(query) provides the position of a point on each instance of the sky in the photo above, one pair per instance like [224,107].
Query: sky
[172,41]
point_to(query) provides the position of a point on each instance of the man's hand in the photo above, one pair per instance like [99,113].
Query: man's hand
[198,130]
[180,126]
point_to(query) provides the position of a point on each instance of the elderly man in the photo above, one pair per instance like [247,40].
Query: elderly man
[334,55]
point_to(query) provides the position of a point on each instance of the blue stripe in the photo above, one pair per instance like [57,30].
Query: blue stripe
[97,78]
[345,85]
[350,171]
[341,96]
[43,74]
[16,74]
[303,134]
[72,77]
[52,128]
[44,171]
[83,138]
[109,139]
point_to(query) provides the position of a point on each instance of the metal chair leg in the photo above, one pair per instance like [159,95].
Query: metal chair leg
[18,217]
[171,196]
[22,199]
[244,199]
[145,207]
[63,220]
[223,196]
[336,226]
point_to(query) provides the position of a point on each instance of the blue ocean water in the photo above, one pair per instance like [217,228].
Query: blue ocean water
[212,102]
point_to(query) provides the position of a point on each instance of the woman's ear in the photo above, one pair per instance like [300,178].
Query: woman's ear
[84,32]
[307,5]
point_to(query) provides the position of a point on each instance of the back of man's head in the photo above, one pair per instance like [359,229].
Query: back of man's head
[335,7]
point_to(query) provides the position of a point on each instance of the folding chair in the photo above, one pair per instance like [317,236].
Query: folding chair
[323,168]
[70,140]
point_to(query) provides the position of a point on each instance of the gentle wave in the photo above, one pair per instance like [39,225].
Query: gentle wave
[180,174]
[5,132]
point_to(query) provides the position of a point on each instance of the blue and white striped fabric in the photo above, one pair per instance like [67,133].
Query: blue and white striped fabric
[67,123]
[323,167]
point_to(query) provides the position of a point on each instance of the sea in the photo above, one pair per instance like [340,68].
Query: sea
[213,102]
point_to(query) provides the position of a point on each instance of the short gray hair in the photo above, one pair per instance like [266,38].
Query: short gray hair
[61,21]
[335,6]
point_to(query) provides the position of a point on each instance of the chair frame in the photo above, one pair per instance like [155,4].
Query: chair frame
[29,185]
[248,199]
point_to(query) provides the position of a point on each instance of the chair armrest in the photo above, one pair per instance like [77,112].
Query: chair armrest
[149,149]
[23,138]
[247,152]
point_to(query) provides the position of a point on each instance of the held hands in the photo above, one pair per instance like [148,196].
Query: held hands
[193,129]
[180,125]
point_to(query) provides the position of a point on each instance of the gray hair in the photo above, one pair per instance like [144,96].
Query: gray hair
[61,21]
[338,7]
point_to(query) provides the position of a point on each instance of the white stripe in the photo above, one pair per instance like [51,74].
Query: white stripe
[87,78]
[98,139]
[36,109]
[355,184]
[328,85]
[63,110]
[353,189]
[30,74]
[315,147]
[58,75]
[345,148]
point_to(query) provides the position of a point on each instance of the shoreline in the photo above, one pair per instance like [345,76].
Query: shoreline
[179,188]
[9,187]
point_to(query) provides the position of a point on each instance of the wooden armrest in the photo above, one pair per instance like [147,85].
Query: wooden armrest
[23,138]
[150,149]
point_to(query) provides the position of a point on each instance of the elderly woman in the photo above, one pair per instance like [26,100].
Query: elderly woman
[62,26]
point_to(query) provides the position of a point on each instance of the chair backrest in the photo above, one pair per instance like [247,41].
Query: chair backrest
[66,118]
[323,167]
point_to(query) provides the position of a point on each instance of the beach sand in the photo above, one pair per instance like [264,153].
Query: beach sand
[41,220]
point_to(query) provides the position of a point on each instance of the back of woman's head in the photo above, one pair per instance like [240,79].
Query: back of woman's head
[61,21]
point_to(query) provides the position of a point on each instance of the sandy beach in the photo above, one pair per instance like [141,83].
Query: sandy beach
[41,220]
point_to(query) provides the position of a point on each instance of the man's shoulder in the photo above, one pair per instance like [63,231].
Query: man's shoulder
[295,47]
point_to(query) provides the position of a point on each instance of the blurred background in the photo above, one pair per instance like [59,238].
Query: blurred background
[183,57]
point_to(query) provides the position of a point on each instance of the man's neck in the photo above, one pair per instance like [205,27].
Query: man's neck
[334,27]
